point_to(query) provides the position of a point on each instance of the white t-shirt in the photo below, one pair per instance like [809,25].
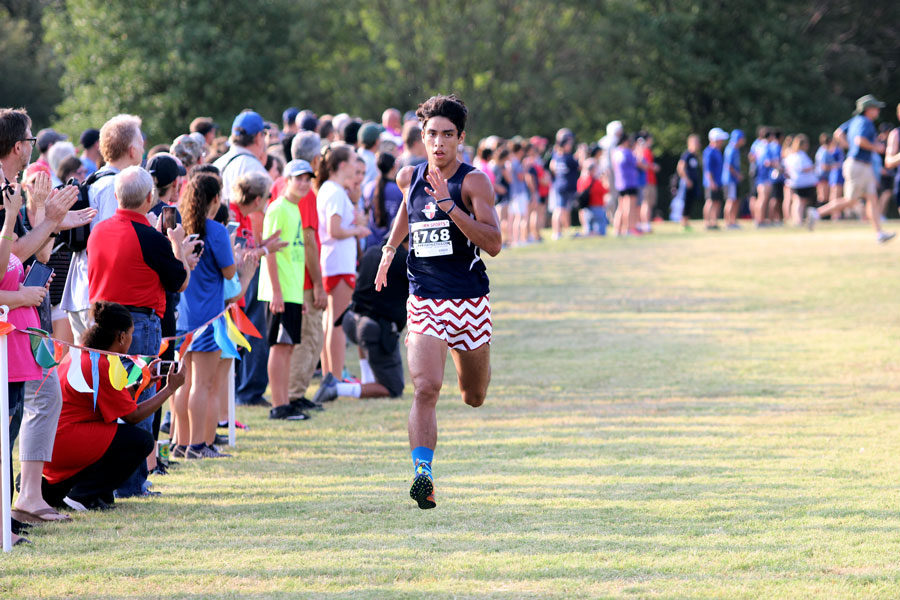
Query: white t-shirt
[338,256]
[238,161]
[801,172]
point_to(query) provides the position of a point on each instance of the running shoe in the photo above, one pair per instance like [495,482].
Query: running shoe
[303,403]
[327,390]
[237,425]
[204,452]
[812,216]
[287,413]
[422,489]
[176,451]
[885,236]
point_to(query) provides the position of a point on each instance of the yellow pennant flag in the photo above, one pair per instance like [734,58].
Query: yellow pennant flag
[234,335]
[118,376]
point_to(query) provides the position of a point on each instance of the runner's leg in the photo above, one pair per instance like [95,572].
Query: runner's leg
[426,356]
[473,373]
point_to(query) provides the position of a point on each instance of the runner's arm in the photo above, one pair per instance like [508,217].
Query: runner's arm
[892,152]
[483,230]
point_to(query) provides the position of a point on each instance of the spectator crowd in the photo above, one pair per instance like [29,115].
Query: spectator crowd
[177,251]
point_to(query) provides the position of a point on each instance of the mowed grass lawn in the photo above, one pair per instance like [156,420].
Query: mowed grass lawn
[703,415]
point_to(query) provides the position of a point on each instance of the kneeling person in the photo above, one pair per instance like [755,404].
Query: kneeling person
[374,322]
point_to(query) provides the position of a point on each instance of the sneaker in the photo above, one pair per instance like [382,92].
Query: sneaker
[203,452]
[87,504]
[287,413]
[221,440]
[734,226]
[812,216]
[218,452]
[166,424]
[885,236]
[327,390]
[177,451]
[422,488]
[159,469]
[302,403]
[237,425]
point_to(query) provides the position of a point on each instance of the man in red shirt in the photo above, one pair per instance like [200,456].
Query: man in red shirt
[133,264]
[648,202]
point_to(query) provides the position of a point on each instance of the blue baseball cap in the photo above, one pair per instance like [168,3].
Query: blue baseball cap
[249,123]
[736,136]
[290,114]
[298,167]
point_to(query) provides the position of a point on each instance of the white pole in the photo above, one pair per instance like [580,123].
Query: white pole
[231,429]
[6,496]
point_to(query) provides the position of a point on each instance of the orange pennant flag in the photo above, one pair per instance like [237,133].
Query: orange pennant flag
[163,347]
[186,343]
[145,381]
[243,322]
[6,328]
[59,350]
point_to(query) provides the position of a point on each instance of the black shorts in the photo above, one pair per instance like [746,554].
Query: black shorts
[381,343]
[807,193]
[629,192]
[284,328]
[715,195]
[778,190]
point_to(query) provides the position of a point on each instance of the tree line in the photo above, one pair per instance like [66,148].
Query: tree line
[522,66]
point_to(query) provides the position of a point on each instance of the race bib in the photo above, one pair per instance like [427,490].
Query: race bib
[431,238]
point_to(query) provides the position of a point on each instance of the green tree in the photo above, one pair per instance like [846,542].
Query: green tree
[28,69]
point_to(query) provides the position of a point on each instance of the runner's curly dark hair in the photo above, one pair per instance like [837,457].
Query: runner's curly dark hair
[444,106]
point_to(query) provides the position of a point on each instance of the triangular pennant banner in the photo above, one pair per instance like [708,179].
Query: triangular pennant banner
[234,335]
[59,351]
[145,381]
[118,376]
[220,334]
[243,322]
[95,375]
[186,344]
[163,347]
[75,377]
[43,353]
[134,375]
[6,328]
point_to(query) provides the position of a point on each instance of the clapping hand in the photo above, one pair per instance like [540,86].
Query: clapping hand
[274,243]
[59,202]
[38,188]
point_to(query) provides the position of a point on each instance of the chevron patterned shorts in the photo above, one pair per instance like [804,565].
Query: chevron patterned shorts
[464,324]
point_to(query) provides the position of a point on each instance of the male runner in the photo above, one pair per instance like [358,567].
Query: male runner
[449,215]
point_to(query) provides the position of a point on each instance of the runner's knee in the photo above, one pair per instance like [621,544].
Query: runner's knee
[474,399]
[427,391]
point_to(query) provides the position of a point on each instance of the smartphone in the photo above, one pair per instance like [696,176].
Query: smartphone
[232,227]
[38,276]
[162,368]
[241,242]
[168,218]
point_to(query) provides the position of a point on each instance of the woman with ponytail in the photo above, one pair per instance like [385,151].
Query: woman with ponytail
[93,454]
[195,409]
[383,199]
[339,227]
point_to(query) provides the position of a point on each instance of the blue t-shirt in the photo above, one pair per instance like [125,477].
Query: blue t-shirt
[836,175]
[625,168]
[823,160]
[565,180]
[732,160]
[203,299]
[393,198]
[760,151]
[773,155]
[712,166]
[859,126]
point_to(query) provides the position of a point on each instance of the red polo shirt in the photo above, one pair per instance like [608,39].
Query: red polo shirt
[131,263]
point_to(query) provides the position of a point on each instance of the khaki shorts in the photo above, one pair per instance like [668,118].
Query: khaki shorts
[859,179]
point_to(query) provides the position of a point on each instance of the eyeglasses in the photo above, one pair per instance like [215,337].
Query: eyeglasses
[33,140]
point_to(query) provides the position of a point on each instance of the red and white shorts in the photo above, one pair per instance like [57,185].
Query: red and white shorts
[464,324]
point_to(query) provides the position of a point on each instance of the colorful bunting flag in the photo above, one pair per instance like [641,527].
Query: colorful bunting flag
[243,322]
[163,347]
[220,334]
[75,377]
[118,376]
[95,374]
[234,334]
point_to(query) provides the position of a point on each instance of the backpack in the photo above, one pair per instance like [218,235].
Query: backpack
[76,239]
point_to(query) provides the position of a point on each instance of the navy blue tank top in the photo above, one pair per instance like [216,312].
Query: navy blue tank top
[442,262]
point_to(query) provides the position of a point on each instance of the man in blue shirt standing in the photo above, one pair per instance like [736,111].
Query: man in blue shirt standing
[712,176]
[731,177]
[859,177]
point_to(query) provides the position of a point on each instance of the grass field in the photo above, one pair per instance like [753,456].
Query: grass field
[679,416]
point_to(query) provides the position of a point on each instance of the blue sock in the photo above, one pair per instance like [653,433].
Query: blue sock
[423,456]
[198,446]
